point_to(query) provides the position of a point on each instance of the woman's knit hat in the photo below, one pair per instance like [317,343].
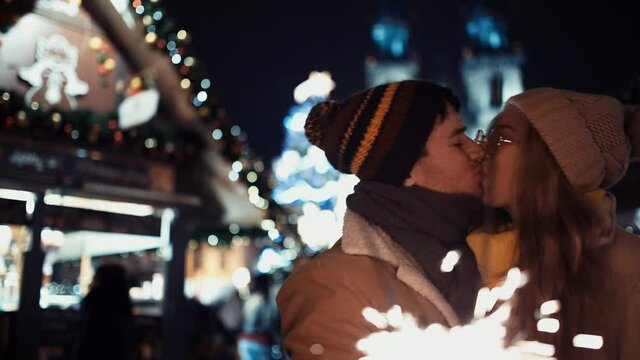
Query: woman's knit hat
[584,132]
[379,133]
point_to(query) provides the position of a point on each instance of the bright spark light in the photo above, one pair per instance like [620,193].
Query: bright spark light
[588,341]
[483,338]
[550,307]
[375,317]
[548,325]
[450,261]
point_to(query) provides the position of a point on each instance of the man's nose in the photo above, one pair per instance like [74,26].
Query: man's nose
[476,152]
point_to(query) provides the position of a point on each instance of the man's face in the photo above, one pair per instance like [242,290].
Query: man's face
[451,163]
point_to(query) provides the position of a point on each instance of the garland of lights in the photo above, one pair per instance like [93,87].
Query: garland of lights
[86,127]
[229,139]
[161,33]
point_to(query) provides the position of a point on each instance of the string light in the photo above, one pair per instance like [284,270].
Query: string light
[95,43]
[150,37]
[217,134]
[150,143]
[110,64]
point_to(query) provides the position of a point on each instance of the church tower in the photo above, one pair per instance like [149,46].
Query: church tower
[491,68]
[393,60]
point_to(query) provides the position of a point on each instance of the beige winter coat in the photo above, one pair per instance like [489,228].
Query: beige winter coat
[321,303]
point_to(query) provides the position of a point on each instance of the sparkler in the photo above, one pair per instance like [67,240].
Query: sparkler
[483,338]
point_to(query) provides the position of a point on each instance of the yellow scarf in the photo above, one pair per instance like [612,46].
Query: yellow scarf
[496,253]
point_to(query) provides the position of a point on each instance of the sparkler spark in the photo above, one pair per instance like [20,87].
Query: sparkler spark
[550,307]
[450,261]
[588,341]
[483,338]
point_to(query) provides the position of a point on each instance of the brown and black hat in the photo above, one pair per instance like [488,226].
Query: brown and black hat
[379,133]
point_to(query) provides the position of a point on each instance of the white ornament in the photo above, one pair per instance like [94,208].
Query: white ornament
[56,59]
[138,109]
[69,8]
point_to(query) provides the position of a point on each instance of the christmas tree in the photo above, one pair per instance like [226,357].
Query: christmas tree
[307,184]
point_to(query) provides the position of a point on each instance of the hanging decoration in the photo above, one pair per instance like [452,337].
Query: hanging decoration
[138,109]
[56,61]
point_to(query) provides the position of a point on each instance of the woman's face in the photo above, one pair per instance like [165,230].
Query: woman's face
[502,150]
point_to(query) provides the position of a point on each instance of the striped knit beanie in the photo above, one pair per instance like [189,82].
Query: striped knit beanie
[379,133]
[584,132]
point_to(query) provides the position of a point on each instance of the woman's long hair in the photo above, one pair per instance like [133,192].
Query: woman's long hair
[557,230]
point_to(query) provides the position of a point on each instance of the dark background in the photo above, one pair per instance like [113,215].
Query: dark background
[256,52]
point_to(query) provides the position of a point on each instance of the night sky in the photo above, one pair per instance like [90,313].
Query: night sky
[256,52]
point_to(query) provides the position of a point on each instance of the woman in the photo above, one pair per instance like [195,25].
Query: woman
[549,155]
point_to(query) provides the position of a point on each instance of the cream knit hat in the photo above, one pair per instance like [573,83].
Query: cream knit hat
[584,132]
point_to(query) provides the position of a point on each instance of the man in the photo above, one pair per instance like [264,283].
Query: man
[419,193]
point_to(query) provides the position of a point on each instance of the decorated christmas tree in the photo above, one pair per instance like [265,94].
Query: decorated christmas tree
[307,184]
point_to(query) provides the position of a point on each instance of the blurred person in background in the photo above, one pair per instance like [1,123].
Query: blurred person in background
[107,319]
[260,322]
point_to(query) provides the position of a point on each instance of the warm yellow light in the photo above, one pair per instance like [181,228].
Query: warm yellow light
[95,43]
[150,37]
[110,64]
[136,82]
